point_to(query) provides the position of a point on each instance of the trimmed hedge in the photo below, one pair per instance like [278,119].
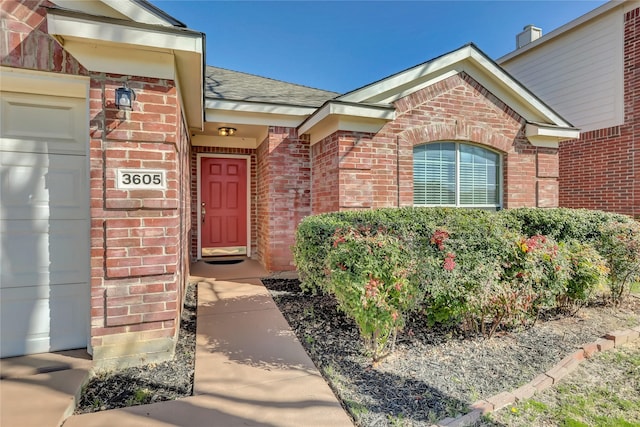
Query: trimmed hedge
[474,268]
[562,224]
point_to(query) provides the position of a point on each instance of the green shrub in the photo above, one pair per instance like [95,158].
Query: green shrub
[479,269]
[530,280]
[561,224]
[370,274]
[620,246]
[614,236]
[588,273]
[313,243]
[466,253]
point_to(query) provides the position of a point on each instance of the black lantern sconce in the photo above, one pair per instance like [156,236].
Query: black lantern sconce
[125,97]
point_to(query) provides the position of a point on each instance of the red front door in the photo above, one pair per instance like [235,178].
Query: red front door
[223,206]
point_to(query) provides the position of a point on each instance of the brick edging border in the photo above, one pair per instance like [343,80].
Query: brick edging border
[542,381]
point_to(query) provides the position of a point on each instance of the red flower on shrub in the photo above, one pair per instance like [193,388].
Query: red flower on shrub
[371,289]
[338,240]
[532,243]
[438,238]
[449,263]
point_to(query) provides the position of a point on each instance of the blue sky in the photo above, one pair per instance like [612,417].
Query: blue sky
[343,45]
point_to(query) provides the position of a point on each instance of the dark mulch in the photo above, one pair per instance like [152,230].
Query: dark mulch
[155,382]
[434,373]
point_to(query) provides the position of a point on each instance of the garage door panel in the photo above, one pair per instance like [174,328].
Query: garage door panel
[38,252]
[44,218]
[36,319]
[43,186]
[42,124]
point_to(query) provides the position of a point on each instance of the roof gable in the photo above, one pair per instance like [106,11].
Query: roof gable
[475,63]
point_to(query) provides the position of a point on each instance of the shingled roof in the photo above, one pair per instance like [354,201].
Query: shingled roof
[236,86]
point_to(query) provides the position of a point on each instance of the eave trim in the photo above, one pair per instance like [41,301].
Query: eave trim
[334,107]
[68,23]
[258,107]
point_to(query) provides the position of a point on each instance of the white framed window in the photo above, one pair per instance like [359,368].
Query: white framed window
[457,174]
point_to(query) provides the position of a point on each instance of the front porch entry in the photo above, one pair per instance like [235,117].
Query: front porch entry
[223,205]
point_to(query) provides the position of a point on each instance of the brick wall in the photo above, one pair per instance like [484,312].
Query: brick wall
[139,256]
[377,170]
[324,177]
[262,199]
[25,42]
[139,238]
[284,181]
[194,193]
[601,170]
[460,109]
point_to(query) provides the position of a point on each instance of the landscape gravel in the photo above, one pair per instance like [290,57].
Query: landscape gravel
[150,383]
[434,373]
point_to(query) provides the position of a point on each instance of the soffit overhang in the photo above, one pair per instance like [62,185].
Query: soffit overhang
[544,135]
[250,119]
[117,46]
[337,115]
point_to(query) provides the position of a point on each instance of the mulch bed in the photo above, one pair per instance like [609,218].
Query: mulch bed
[434,373]
[155,382]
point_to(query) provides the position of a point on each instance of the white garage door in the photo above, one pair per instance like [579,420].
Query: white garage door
[44,222]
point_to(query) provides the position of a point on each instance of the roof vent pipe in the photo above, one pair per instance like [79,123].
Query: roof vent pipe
[529,33]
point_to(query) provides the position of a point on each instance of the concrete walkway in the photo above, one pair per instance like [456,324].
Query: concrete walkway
[40,389]
[250,368]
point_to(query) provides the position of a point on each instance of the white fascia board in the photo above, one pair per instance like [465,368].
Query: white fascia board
[253,119]
[535,129]
[518,90]
[190,81]
[342,123]
[256,107]
[339,109]
[568,27]
[367,111]
[318,117]
[396,82]
[81,28]
[420,85]
[548,136]
[93,7]
[136,13]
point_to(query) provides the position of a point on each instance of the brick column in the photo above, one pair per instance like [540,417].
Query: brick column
[284,181]
[137,259]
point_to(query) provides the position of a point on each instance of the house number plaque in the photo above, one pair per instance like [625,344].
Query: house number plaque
[143,179]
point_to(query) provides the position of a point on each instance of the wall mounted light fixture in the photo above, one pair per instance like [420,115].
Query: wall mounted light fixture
[226,131]
[125,97]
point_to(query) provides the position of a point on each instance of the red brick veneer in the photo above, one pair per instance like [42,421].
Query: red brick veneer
[361,171]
